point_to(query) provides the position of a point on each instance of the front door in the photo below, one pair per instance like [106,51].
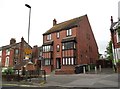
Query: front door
[58,63]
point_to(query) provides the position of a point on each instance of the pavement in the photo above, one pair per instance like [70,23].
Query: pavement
[102,79]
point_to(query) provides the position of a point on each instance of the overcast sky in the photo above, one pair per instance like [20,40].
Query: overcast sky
[14,17]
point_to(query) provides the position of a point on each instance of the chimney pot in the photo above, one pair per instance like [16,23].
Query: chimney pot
[111,20]
[54,22]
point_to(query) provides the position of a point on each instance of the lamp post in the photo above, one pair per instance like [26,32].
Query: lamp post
[29,20]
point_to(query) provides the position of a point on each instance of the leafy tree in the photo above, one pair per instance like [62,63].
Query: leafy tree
[109,51]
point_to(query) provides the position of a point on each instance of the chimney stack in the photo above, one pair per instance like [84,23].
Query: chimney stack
[111,20]
[54,22]
[12,41]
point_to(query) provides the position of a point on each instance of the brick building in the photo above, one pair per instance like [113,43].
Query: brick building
[68,44]
[14,53]
[115,37]
[36,54]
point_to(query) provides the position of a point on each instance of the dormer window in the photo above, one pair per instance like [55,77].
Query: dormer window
[69,32]
[49,37]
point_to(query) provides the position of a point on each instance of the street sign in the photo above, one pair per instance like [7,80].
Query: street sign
[28,51]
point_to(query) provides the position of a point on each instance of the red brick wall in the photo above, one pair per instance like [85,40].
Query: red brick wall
[83,43]
[10,57]
[47,69]
[82,33]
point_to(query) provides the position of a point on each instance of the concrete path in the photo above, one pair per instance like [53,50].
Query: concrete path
[106,78]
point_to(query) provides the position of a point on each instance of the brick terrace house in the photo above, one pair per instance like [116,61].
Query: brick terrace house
[115,37]
[14,53]
[68,44]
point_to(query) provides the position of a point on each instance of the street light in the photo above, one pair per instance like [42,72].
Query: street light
[29,20]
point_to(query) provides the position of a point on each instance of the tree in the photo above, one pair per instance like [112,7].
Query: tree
[109,51]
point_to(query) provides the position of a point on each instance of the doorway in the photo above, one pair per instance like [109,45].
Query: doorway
[58,63]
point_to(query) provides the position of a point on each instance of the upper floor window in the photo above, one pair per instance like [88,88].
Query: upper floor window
[69,32]
[16,51]
[58,34]
[68,45]
[7,61]
[47,48]
[58,48]
[7,52]
[49,37]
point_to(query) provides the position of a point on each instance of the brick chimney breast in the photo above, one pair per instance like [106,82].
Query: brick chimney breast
[54,22]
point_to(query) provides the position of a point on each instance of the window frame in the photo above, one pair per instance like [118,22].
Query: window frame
[69,32]
[49,37]
[58,35]
[48,63]
[7,51]
[58,47]
[7,59]
[68,61]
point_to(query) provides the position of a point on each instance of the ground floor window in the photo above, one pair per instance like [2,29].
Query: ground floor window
[47,61]
[68,61]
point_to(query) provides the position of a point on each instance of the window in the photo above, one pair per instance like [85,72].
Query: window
[68,61]
[16,51]
[7,52]
[7,61]
[49,37]
[68,45]
[58,48]
[46,61]
[69,32]
[58,34]
[47,48]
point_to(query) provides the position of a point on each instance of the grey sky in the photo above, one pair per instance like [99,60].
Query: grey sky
[14,18]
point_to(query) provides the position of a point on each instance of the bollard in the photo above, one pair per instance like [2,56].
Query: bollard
[84,69]
[88,67]
[95,69]
[100,68]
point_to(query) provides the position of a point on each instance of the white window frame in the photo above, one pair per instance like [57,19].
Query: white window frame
[7,61]
[69,32]
[72,61]
[69,61]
